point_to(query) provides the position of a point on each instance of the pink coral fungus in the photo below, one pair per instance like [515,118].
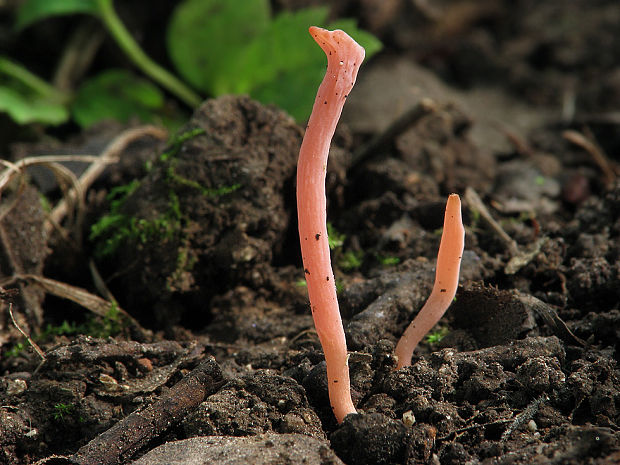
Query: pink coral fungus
[446,282]
[344,57]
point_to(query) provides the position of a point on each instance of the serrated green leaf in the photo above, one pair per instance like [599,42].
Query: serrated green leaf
[24,109]
[31,11]
[206,37]
[116,94]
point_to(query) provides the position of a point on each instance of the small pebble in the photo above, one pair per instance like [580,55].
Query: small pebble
[145,365]
[408,418]
[16,386]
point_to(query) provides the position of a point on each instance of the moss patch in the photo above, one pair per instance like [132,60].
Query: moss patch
[117,228]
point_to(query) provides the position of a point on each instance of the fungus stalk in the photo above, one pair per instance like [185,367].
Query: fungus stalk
[446,283]
[344,57]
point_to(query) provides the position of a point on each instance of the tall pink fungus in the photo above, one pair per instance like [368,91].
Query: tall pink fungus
[446,282]
[344,57]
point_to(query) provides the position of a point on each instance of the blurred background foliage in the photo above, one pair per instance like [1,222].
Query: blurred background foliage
[212,47]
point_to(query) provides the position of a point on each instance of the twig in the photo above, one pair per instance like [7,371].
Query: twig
[109,155]
[6,209]
[128,44]
[16,168]
[64,174]
[475,203]
[78,54]
[34,345]
[99,283]
[458,432]
[397,127]
[551,318]
[519,143]
[92,302]
[518,257]
[34,82]
[127,436]
[596,152]
[610,118]
[524,416]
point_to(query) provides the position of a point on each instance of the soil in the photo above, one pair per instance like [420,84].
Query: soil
[210,355]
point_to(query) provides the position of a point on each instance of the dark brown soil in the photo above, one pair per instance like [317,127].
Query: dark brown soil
[217,361]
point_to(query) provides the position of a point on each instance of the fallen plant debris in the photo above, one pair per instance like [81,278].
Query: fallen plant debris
[137,429]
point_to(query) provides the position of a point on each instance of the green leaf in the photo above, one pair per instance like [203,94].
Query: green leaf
[206,37]
[281,47]
[24,108]
[292,90]
[224,49]
[289,66]
[116,94]
[370,43]
[31,11]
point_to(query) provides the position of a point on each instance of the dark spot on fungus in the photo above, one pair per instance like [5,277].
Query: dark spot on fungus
[335,381]
[318,235]
[306,271]
[442,290]
[327,278]
[325,102]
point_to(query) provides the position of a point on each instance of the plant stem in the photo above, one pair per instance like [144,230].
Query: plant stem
[127,43]
[34,82]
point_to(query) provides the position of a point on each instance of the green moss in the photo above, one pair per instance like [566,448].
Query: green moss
[16,350]
[474,219]
[186,261]
[335,239]
[351,260]
[45,203]
[388,260]
[111,231]
[110,325]
[116,228]
[61,411]
[436,336]
[176,144]
[174,177]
